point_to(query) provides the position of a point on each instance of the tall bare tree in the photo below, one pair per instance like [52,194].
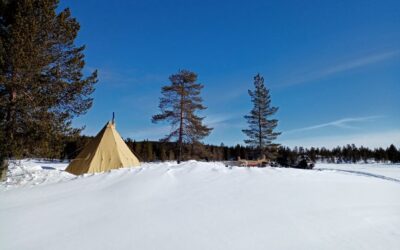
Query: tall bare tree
[261,126]
[178,105]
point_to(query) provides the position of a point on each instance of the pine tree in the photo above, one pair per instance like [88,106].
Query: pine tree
[178,105]
[163,153]
[138,150]
[3,168]
[393,154]
[149,152]
[261,126]
[171,155]
[42,86]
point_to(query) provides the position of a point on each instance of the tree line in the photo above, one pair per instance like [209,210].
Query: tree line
[164,151]
[148,151]
[345,154]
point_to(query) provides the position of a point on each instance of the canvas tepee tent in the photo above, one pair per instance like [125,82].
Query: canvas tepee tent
[105,152]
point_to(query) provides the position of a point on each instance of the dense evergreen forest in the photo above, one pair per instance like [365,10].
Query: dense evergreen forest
[164,151]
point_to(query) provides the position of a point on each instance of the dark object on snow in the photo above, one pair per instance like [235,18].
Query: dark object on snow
[304,162]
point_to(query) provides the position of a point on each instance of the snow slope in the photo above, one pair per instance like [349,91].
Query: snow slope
[198,205]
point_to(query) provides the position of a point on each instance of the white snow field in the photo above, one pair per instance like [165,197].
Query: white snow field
[198,205]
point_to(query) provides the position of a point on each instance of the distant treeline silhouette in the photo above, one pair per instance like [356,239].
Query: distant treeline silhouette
[148,151]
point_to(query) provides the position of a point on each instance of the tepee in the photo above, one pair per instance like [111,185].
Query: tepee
[104,152]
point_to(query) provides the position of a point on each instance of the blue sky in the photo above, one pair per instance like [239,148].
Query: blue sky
[333,67]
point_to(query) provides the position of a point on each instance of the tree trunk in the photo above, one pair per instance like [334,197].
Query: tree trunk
[3,169]
[259,133]
[180,139]
[10,125]
[6,147]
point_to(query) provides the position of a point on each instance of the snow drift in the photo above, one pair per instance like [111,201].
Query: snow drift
[198,205]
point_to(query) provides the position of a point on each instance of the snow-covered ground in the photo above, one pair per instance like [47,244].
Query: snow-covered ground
[198,205]
[375,170]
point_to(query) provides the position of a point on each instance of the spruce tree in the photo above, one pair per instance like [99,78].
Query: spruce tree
[261,127]
[393,154]
[178,105]
[42,86]
[163,153]
[171,155]
[138,150]
[149,151]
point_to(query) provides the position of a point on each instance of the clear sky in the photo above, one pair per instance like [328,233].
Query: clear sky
[333,67]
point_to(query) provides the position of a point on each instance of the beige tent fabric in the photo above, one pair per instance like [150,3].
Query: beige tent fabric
[105,152]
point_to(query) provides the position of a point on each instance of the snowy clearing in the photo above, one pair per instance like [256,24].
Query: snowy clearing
[198,205]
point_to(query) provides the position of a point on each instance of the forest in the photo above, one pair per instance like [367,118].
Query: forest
[148,151]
